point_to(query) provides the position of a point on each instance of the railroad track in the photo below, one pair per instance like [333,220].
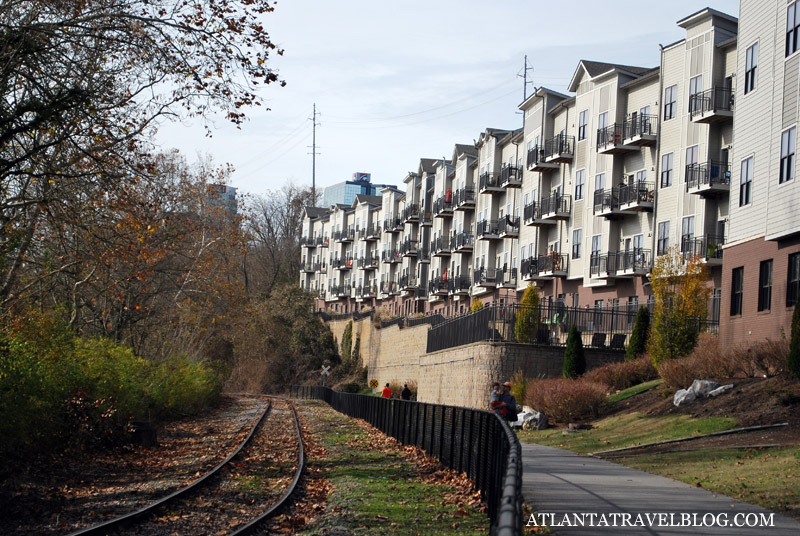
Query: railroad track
[237,495]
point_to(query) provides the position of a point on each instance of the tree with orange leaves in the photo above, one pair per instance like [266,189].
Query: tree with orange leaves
[681,303]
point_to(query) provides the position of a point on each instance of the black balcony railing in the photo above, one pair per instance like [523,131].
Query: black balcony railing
[368,262]
[488,180]
[411,213]
[510,176]
[708,247]
[438,286]
[408,248]
[443,204]
[716,99]
[708,174]
[610,136]
[462,240]
[641,125]
[391,256]
[475,442]
[440,245]
[544,265]
[555,204]
[408,282]
[464,196]
[488,228]
[535,157]
[460,284]
[507,226]
[620,263]
[487,276]
[529,212]
[623,196]
[559,146]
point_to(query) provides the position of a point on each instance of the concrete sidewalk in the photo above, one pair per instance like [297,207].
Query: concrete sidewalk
[561,482]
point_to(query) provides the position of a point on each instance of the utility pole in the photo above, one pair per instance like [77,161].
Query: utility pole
[314,155]
[525,83]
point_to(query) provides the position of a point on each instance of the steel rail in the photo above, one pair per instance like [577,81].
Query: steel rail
[111,524]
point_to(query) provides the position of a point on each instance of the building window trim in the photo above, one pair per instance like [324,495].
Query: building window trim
[751,68]
[792,279]
[788,149]
[737,291]
[792,29]
[765,285]
[577,243]
[580,184]
[666,172]
[583,124]
[670,102]
[746,182]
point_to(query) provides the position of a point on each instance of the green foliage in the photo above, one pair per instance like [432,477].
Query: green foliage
[574,360]
[637,345]
[519,384]
[681,300]
[347,344]
[527,323]
[477,305]
[793,360]
[55,386]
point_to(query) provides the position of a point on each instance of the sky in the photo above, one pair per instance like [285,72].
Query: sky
[394,82]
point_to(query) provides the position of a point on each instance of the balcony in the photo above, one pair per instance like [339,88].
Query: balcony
[489,183]
[438,287]
[464,199]
[390,288]
[555,207]
[640,130]
[344,263]
[408,283]
[536,161]
[625,199]
[425,218]
[487,277]
[342,291]
[370,233]
[366,291]
[423,254]
[440,247]
[308,268]
[411,214]
[391,256]
[408,248]
[712,105]
[508,227]
[307,242]
[320,267]
[421,292]
[708,248]
[370,262]
[460,285]
[488,230]
[544,267]
[620,264]
[511,177]
[345,236]
[508,277]
[709,179]
[462,242]
[532,216]
[610,140]
[392,225]
[559,149]
[324,242]
[443,206]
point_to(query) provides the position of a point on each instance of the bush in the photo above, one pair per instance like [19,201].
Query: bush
[347,344]
[793,356]
[179,386]
[619,376]
[637,345]
[519,385]
[527,322]
[574,360]
[351,387]
[477,305]
[708,361]
[563,400]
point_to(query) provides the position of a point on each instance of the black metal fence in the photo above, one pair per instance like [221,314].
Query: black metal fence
[600,327]
[475,442]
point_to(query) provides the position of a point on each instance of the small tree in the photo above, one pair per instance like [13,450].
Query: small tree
[355,357]
[793,361]
[527,323]
[574,360]
[347,344]
[681,302]
[477,305]
[637,345]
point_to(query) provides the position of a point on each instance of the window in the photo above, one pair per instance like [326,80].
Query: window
[793,281]
[737,290]
[597,244]
[662,245]
[577,238]
[599,182]
[602,124]
[666,170]
[695,89]
[580,179]
[691,161]
[746,182]
[669,101]
[583,119]
[750,69]
[765,285]
[687,234]
[792,28]
[787,155]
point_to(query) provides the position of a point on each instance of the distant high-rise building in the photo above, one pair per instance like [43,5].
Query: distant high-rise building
[345,192]
[223,197]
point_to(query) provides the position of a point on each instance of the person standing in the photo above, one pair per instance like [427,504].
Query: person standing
[508,403]
[405,394]
[494,399]
[387,392]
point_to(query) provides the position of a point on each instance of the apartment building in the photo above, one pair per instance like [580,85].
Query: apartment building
[599,181]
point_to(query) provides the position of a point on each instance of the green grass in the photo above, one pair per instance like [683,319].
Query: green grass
[376,491]
[768,477]
[627,430]
[634,390]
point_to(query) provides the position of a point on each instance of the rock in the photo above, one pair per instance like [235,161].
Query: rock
[683,396]
[721,389]
[533,420]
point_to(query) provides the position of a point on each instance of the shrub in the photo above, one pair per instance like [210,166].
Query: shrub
[527,322]
[179,386]
[619,376]
[563,400]
[637,345]
[519,384]
[793,356]
[477,305]
[574,360]
[347,344]
[351,387]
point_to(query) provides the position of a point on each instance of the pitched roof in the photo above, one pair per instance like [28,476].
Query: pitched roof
[462,148]
[315,212]
[596,68]
[426,164]
[364,198]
